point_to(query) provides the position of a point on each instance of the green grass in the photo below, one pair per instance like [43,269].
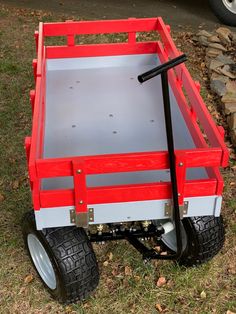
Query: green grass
[117,292]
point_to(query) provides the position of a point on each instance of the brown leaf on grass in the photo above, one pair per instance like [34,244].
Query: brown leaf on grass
[105,263]
[137,278]
[161,282]
[2,198]
[15,184]
[157,248]
[230,312]
[68,309]
[110,256]
[28,279]
[22,290]
[203,295]
[233,168]
[128,271]
[158,307]
[163,253]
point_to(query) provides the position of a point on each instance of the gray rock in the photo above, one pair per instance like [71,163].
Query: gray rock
[234,38]
[204,33]
[203,41]
[214,64]
[212,52]
[225,35]
[232,121]
[232,68]
[214,39]
[217,46]
[231,86]
[233,137]
[226,71]
[229,108]
[218,87]
[219,77]
[224,59]
[229,97]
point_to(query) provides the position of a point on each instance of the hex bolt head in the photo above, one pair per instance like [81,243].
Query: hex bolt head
[179,194]
[79,171]
[181,164]
[81,202]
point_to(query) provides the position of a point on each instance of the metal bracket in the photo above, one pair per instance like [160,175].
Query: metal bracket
[91,214]
[168,211]
[80,219]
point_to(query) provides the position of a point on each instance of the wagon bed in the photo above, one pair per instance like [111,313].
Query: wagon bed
[98,136]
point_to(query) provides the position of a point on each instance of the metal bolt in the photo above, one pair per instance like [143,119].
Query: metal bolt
[181,164]
[79,171]
[90,219]
[81,202]
[179,194]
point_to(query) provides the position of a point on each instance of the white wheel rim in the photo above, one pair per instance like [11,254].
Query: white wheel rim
[41,261]
[169,237]
[230,5]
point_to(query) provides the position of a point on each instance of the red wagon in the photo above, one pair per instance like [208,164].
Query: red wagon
[122,147]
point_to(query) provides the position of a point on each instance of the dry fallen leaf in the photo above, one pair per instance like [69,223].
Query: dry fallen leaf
[105,263]
[128,271]
[1,197]
[230,312]
[68,309]
[233,168]
[158,307]
[28,278]
[157,248]
[203,295]
[163,253]
[15,185]
[110,256]
[161,282]
[137,278]
[22,290]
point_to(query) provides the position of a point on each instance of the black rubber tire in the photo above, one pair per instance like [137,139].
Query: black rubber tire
[72,257]
[205,238]
[222,12]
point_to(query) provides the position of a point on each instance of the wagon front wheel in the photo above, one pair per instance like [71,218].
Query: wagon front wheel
[63,258]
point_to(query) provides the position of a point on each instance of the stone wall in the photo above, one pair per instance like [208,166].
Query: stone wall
[220,48]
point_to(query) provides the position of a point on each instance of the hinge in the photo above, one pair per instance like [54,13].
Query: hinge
[183,210]
[80,219]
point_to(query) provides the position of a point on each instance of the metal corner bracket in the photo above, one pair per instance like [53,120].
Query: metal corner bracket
[168,210]
[82,219]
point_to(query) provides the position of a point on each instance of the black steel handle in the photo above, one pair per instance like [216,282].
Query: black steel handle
[161,68]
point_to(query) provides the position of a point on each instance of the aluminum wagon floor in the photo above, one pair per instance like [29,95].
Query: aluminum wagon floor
[96,106]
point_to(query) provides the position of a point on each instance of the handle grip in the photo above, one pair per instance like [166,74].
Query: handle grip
[161,68]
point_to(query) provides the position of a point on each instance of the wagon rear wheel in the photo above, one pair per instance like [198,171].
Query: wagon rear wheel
[202,239]
[63,258]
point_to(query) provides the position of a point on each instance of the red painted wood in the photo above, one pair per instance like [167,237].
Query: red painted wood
[40,50]
[180,168]
[80,188]
[128,193]
[195,99]
[126,162]
[189,119]
[100,50]
[100,27]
